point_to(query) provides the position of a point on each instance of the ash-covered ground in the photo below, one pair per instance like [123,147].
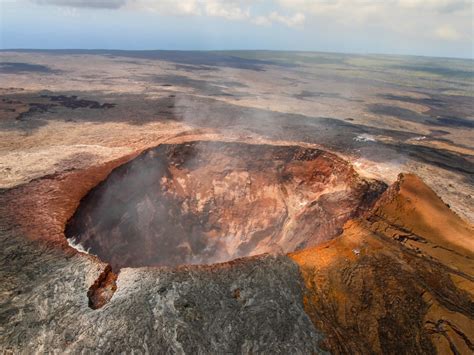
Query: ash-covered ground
[68,118]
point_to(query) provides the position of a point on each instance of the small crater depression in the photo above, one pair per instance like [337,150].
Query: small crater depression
[208,202]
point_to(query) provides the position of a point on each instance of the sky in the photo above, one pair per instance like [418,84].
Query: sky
[442,28]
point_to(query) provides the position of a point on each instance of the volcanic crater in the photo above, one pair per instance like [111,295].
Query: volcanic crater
[205,202]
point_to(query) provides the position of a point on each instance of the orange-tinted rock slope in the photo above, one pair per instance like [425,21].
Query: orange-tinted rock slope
[399,280]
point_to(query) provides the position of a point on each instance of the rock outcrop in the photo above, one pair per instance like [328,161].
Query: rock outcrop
[399,280]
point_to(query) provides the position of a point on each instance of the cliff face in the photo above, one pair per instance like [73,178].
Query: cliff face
[399,279]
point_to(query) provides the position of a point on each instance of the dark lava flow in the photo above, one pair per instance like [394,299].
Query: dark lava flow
[208,202]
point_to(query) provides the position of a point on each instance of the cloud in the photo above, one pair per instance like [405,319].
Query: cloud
[441,6]
[229,10]
[403,18]
[166,7]
[356,7]
[296,20]
[232,10]
[262,21]
[98,4]
[406,19]
[448,33]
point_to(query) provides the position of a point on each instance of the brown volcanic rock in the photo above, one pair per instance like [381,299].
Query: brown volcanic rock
[41,208]
[413,214]
[206,202]
[399,280]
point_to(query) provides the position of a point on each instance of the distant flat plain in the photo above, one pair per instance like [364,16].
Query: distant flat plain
[71,109]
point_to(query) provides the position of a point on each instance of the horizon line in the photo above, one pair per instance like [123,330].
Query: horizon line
[233,50]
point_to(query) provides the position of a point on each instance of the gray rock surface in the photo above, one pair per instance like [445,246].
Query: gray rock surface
[247,306]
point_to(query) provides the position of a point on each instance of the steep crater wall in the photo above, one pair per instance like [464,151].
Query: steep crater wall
[207,202]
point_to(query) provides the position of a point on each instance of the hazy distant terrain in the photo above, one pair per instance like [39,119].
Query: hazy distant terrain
[386,113]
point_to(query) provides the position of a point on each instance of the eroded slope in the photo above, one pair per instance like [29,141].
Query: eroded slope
[399,280]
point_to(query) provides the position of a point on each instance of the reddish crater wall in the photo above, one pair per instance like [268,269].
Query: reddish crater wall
[209,202]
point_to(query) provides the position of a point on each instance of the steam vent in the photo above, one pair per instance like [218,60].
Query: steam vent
[212,202]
